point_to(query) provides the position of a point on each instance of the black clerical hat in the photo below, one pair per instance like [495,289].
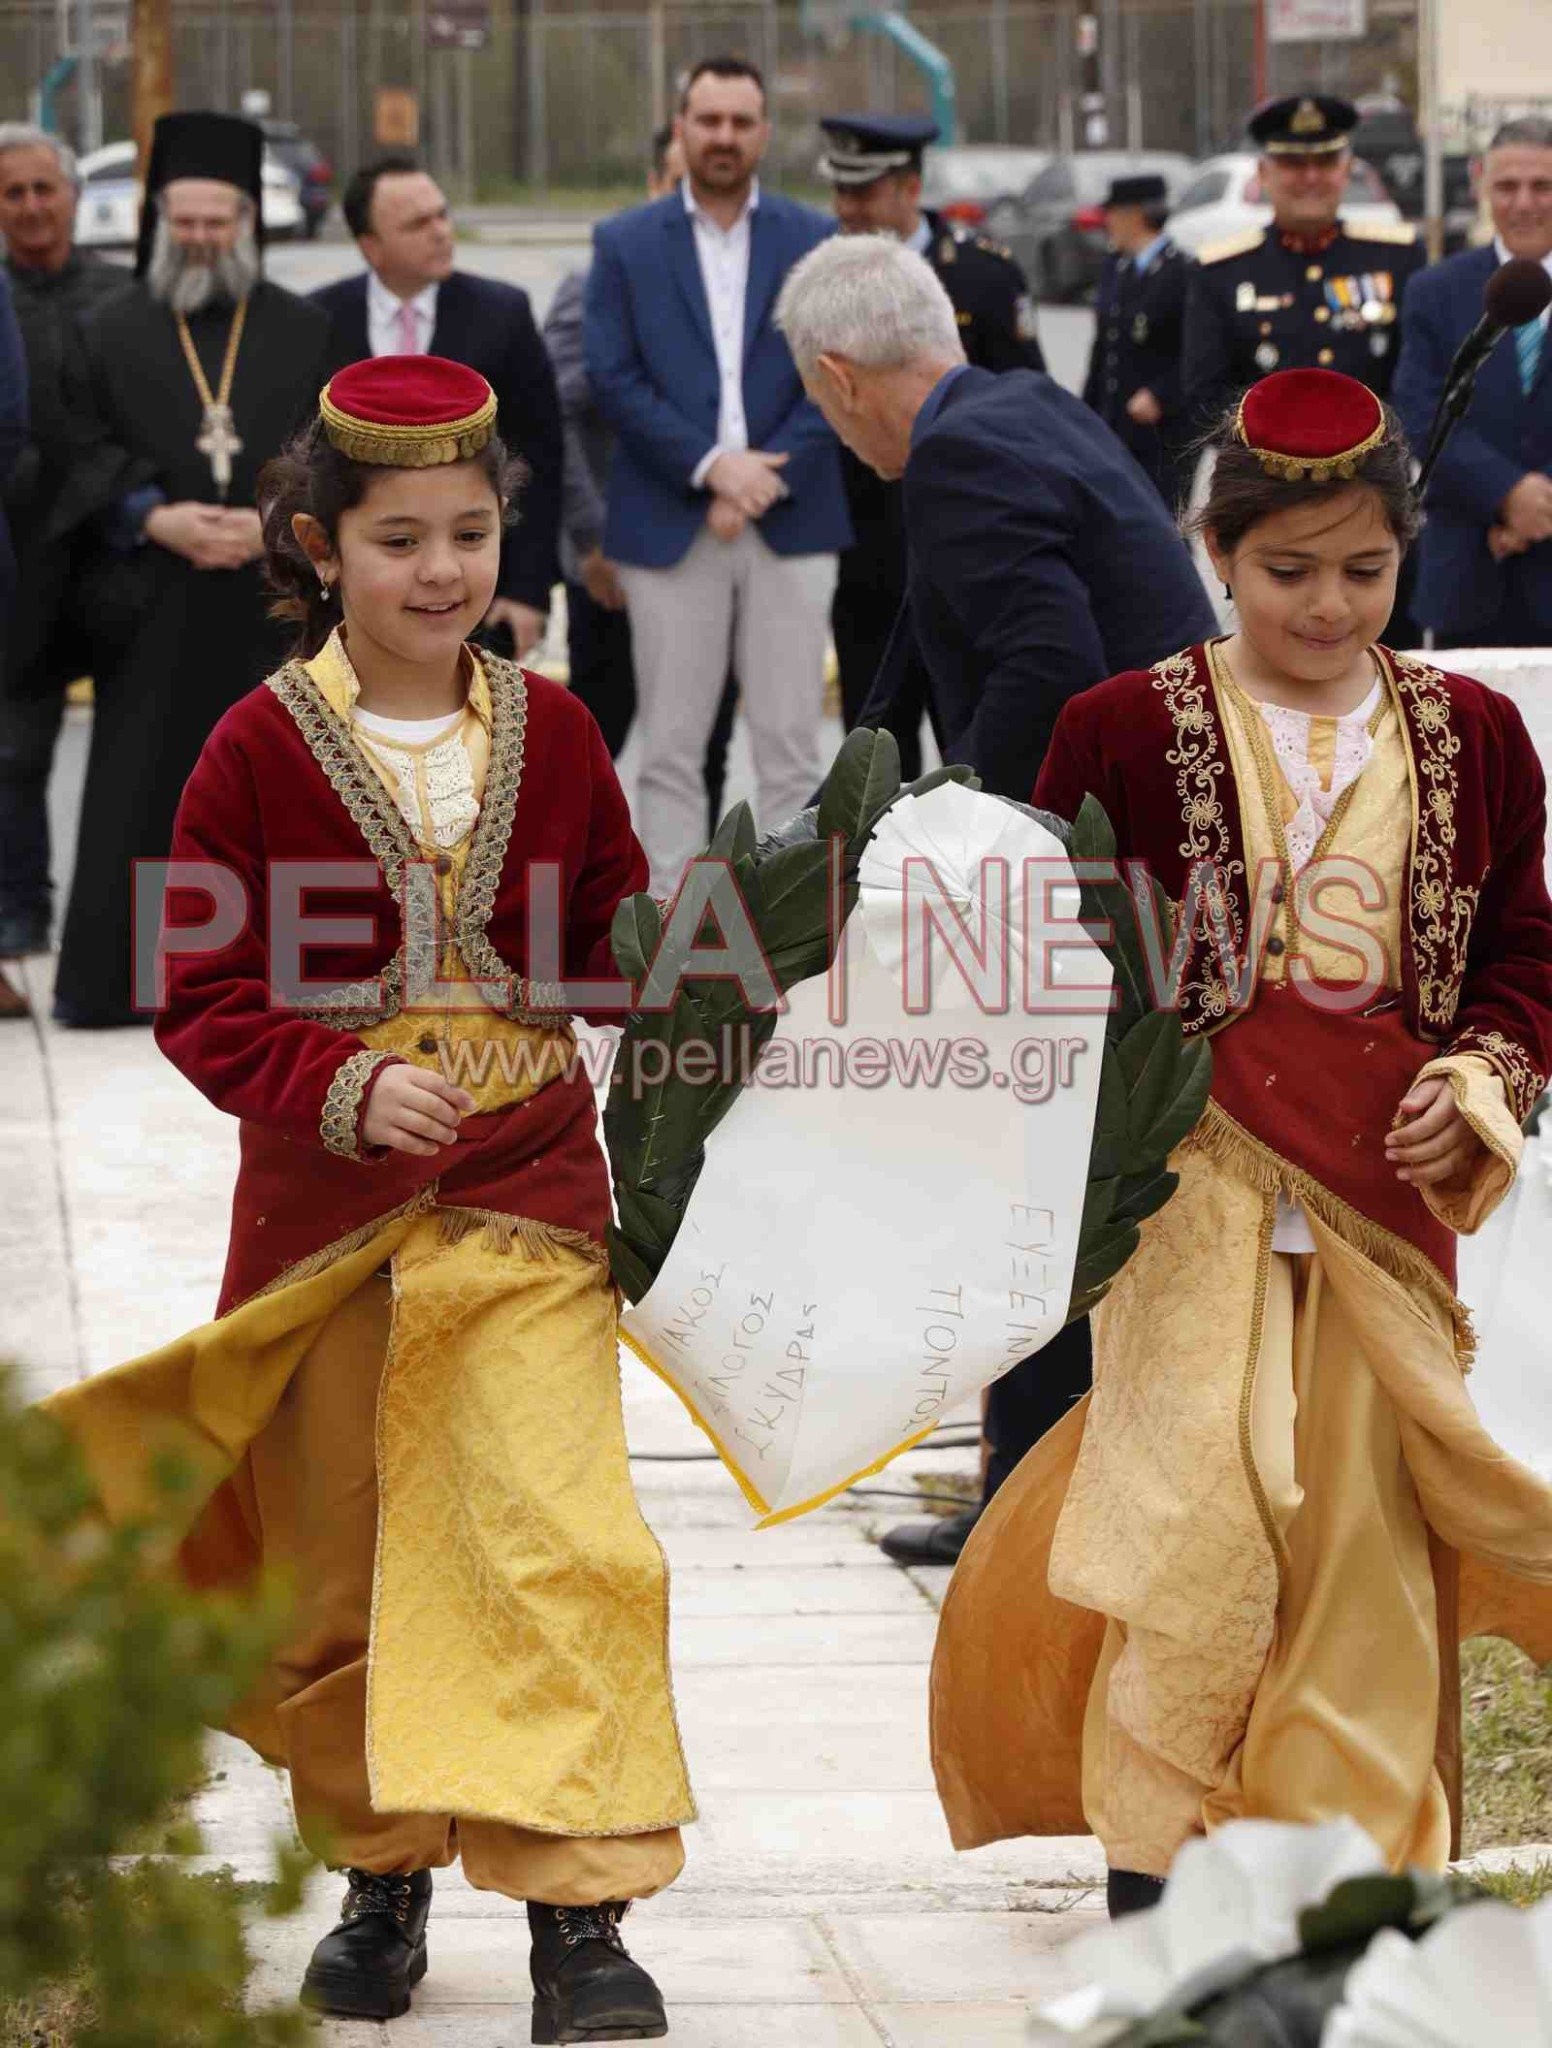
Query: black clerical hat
[1303,124]
[1145,189]
[862,147]
[201,146]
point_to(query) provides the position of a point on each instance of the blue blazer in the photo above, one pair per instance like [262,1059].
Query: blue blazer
[1041,559]
[490,327]
[652,366]
[1461,590]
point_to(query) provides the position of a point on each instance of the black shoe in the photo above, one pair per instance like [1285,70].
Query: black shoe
[23,932]
[586,1988]
[937,1541]
[71,1017]
[1131,1891]
[365,1967]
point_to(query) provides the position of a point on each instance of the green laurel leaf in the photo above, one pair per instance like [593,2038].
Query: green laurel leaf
[861,785]
[635,935]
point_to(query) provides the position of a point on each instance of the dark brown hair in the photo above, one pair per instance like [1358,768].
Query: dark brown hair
[311,475]
[721,67]
[1242,493]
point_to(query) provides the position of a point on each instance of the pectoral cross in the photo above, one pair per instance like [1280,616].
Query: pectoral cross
[218,440]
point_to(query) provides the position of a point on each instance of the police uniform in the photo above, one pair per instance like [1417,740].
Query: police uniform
[1139,316]
[996,317]
[1271,300]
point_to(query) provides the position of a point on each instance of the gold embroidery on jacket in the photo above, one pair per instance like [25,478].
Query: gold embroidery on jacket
[355,1005]
[1198,757]
[1520,1076]
[340,1125]
[1441,909]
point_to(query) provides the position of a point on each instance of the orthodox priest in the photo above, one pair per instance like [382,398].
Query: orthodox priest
[199,373]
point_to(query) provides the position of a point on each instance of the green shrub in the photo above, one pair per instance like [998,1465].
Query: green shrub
[109,1672]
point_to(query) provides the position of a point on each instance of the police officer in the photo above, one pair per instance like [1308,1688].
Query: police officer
[1307,291]
[874,162]
[1134,371]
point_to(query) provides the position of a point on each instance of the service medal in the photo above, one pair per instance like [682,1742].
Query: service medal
[1266,356]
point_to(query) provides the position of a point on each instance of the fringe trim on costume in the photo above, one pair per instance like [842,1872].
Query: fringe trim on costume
[502,1232]
[342,1247]
[1221,1137]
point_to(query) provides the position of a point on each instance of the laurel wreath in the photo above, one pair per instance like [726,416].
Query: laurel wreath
[1153,1080]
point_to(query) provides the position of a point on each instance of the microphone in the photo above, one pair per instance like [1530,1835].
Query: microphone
[1517,292]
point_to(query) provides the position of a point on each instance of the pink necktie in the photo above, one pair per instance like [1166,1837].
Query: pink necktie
[409,329]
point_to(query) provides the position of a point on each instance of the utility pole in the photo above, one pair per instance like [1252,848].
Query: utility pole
[151,66]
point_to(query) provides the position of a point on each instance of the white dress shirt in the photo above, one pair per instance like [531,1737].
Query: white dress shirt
[723,256]
[382,318]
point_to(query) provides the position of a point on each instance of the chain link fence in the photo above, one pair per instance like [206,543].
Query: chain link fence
[567,95]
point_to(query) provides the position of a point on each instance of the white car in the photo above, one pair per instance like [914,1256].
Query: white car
[1223,198]
[107,214]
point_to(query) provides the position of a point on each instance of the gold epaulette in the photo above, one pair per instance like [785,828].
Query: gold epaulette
[1233,245]
[1398,233]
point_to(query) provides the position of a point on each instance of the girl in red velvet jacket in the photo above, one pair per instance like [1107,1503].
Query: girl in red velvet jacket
[398,864]
[1257,1546]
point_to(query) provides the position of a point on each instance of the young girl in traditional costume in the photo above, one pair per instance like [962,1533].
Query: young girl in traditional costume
[1234,1583]
[410,1402]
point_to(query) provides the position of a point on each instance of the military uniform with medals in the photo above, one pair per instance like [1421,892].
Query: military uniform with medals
[1139,316]
[1273,300]
[996,318]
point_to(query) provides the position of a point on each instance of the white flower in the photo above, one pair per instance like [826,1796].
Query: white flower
[1232,1902]
[1480,1978]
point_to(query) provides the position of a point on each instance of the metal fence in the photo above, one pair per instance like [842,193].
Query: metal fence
[567,94]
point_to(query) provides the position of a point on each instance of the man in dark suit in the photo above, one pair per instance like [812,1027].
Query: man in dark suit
[1485,554]
[874,162]
[1139,314]
[726,508]
[1039,561]
[412,301]
[1040,558]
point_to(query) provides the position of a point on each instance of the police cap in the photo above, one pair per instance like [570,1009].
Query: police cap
[862,147]
[1145,189]
[1303,124]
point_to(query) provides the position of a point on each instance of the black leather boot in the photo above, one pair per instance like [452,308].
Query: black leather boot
[365,1967]
[1131,1891]
[586,1988]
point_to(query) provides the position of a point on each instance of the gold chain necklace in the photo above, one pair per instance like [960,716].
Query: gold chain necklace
[217,430]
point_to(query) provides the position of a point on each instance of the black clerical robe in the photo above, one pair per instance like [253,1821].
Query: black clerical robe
[186,642]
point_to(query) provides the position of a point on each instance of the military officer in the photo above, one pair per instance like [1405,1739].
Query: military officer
[1134,371]
[1307,291]
[874,162]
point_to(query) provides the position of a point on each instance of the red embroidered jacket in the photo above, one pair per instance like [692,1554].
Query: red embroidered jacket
[1477,928]
[281,782]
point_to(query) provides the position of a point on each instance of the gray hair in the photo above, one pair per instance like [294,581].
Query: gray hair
[189,283]
[23,135]
[1527,131]
[870,299]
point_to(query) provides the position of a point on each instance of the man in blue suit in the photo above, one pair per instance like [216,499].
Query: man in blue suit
[726,507]
[1040,558]
[1485,554]
[412,301]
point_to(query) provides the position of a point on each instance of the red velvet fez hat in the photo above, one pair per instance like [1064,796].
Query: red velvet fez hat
[1309,423]
[408,412]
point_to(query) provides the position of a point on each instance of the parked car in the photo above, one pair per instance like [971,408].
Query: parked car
[107,214]
[1224,199]
[1055,226]
[306,162]
[967,183]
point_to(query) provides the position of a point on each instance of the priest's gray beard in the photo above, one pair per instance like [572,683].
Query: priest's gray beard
[188,280]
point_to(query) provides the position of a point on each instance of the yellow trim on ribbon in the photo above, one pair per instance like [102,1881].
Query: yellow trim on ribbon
[752,1493]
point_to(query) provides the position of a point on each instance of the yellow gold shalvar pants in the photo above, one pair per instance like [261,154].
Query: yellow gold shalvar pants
[552,1647]
[1346,1715]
